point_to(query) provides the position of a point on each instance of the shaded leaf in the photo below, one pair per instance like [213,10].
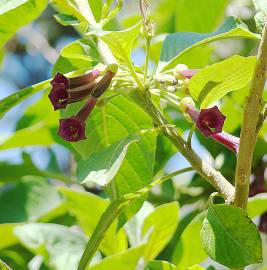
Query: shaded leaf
[27,200]
[230,237]
[4,266]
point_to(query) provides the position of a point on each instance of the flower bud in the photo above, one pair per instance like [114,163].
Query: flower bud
[185,102]
[177,71]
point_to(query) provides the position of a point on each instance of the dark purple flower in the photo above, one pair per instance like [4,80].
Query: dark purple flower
[210,121]
[59,96]
[263,223]
[73,129]
[188,73]
[68,90]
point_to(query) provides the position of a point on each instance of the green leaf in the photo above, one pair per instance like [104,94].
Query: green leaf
[68,20]
[11,101]
[230,237]
[127,259]
[257,205]
[215,81]
[159,227]
[200,19]
[7,236]
[79,203]
[190,250]
[160,265]
[4,266]
[78,8]
[27,200]
[81,49]
[195,267]
[101,167]
[37,134]
[111,123]
[175,45]
[60,246]
[120,42]
[14,172]
[10,11]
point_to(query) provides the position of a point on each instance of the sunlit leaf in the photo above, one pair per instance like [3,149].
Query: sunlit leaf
[10,11]
[79,203]
[159,227]
[61,246]
[127,259]
[175,45]
[160,265]
[257,205]
[215,81]
[4,266]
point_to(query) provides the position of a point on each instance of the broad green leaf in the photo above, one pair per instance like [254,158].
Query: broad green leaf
[14,172]
[190,251]
[195,267]
[257,205]
[111,123]
[81,49]
[7,236]
[230,237]
[120,42]
[175,45]
[68,20]
[159,227]
[78,8]
[11,101]
[27,199]
[160,265]
[101,167]
[11,19]
[127,259]
[196,15]
[4,266]
[88,208]
[215,81]
[60,246]
[37,134]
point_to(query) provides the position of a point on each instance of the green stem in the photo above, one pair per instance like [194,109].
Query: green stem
[104,223]
[112,212]
[204,169]
[190,135]
[248,136]
[148,41]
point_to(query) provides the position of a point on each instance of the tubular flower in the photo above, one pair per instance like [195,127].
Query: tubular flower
[73,129]
[210,123]
[68,90]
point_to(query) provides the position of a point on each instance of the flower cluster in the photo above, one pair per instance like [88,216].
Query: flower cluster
[69,90]
[210,123]
[177,80]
